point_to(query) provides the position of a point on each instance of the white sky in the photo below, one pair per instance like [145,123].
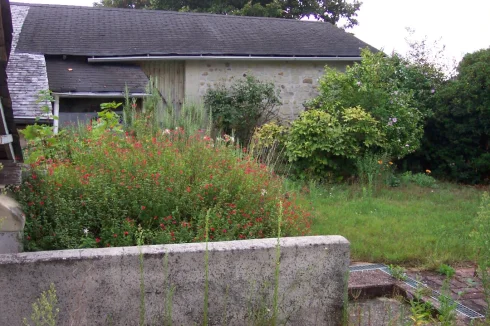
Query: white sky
[462,26]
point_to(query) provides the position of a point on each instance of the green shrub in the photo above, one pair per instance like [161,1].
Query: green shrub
[424,180]
[243,106]
[375,85]
[420,179]
[446,270]
[268,146]
[111,184]
[457,137]
[323,145]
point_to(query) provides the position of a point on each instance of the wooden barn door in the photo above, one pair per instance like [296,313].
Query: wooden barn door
[169,77]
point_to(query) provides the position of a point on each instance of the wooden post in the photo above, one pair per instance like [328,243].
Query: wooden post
[56,114]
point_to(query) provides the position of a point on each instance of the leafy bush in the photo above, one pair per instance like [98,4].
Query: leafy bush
[376,85]
[457,137]
[163,184]
[420,179]
[242,107]
[325,144]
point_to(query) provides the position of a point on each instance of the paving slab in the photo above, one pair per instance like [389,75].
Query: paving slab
[373,283]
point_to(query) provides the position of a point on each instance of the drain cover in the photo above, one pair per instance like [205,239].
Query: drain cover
[435,295]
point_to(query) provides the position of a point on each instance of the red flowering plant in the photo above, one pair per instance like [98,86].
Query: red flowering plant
[164,182]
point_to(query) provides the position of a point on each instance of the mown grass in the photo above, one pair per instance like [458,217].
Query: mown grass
[407,225]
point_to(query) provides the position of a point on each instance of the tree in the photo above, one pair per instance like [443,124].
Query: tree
[457,137]
[331,11]
[130,4]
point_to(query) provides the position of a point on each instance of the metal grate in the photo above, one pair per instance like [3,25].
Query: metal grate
[435,295]
[370,267]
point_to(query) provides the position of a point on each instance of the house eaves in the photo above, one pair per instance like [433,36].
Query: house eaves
[226,58]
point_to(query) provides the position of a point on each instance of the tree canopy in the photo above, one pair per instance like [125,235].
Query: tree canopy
[331,11]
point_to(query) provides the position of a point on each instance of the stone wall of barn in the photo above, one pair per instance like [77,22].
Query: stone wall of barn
[296,80]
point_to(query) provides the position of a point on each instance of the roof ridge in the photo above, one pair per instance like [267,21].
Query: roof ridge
[168,12]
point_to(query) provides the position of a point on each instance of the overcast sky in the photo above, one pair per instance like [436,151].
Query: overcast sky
[462,26]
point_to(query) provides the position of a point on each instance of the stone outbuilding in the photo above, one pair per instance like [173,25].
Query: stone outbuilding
[87,55]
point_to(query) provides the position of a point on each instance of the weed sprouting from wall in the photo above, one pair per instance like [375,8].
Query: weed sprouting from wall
[44,309]
[142,278]
[277,267]
[206,271]
[169,293]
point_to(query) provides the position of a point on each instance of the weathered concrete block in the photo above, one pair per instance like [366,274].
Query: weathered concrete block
[95,285]
[12,221]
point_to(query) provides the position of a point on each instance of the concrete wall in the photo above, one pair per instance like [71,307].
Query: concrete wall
[102,286]
[296,80]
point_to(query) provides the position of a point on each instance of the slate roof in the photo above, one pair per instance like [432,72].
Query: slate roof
[76,75]
[88,31]
[10,154]
[26,72]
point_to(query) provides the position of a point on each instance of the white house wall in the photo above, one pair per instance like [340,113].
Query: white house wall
[297,81]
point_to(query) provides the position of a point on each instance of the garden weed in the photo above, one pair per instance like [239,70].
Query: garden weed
[397,272]
[446,270]
[44,310]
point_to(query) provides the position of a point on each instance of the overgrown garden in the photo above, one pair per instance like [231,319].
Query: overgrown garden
[382,129]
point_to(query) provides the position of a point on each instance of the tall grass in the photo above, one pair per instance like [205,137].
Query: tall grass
[407,225]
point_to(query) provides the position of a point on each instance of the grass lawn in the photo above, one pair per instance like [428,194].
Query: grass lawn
[408,225]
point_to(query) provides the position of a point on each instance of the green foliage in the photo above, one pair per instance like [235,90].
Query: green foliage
[421,311]
[446,270]
[130,4]
[165,182]
[376,86]
[375,170]
[268,146]
[108,120]
[42,141]
[420,179]
[457,136]
[320,143]
[481,238]
[269,134]
[397,272]
[447,308]
[408,225]
[242,107]
[331,11]
[44,311]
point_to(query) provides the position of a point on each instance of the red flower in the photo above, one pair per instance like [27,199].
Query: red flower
[28,237]
[126,233]
[143,208]
[114,235]
[97,240]
[188,189]
[224,230]
[41,203]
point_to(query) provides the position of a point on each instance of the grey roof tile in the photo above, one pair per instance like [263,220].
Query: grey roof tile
[76,75]
[26,72]
[87,31]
